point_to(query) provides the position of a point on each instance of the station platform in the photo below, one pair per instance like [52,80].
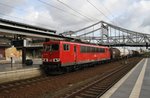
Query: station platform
[17,71]
[5,65]
[135,84]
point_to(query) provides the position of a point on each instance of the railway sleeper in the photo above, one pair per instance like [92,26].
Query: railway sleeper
[78,97]
[95,90]
[23,82]
[3,86]
[99,87]
[17,83]
[10,85]
[86,95]
[6,91]
[92,92]
[14,89]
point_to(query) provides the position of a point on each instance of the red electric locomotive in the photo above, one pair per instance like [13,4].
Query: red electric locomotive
[59,55]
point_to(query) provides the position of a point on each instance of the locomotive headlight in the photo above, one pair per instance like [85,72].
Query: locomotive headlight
[45,60]
[56,60]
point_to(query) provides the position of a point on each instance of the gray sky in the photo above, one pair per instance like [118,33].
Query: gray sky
[76,14]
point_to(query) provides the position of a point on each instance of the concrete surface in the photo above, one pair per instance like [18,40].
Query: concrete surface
[18,71]
[135,84]
[6,65]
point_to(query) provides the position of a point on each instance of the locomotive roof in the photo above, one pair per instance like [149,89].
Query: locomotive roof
[82,43]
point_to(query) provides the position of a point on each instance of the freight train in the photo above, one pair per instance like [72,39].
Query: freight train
[64,56]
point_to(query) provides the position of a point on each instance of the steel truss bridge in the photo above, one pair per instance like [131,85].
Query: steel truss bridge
[104,33]
[101,33]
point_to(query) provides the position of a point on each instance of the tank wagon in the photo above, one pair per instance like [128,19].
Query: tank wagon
[115,53]
[135,53]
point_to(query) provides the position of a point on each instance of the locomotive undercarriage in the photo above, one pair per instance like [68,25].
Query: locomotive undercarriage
[51,68]
[57,68]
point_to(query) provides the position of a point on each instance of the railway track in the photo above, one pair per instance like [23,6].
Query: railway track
[98,87]
[8,87]
[47,86]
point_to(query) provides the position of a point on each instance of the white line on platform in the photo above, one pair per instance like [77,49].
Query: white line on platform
[137,87]
[119,83]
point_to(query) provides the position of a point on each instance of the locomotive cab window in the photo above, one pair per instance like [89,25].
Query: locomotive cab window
[66,47]
[46,48]
[52,47]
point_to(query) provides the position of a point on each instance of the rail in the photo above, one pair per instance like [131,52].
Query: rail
[98,87]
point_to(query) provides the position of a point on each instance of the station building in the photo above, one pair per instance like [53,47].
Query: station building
[33,47]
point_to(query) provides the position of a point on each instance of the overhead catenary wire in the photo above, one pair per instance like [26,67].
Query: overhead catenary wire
[9,6]
[22,10]
[25,10]
[22,19]
[115,22]
[92,19]
[112,15]
[48,4]
[99,10]
[108,10]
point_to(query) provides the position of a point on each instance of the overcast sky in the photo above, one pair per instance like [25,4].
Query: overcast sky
[76,14]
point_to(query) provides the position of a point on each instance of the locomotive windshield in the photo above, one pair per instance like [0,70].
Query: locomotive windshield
[51,47]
